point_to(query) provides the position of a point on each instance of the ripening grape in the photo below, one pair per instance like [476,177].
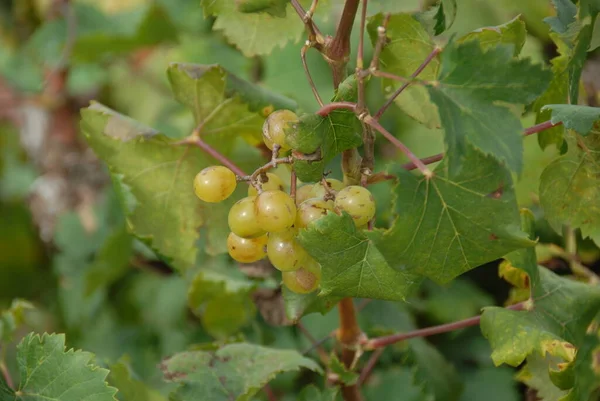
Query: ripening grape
[334,185]
[303,193]
[246,250]
[242,219]
[275,211]
[273,183]
[274,128]
[304,280]
[284,252]
[358,202]
[311,210]
[214,184]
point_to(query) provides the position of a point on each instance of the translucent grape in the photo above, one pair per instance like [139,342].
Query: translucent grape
[319,190]
[242,219]
[358,202]
[275,126]
[303,193]
[214,184]
[304,280]
[311,210]
[246,250]
[275,211]
[273,184]
[284,252]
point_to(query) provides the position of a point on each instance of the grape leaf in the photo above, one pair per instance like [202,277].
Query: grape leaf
[220,295]
[563,22]
[130,388]
[298,305]
[155,179]
[352,266]
[409,45]
[570,189]
[453,222]
[312,393]
[578,118]
[512,33]
[275,8]
[445,15]
[459,300]
[398,380]
[50,373]
[586,378]
[233,372]
[12,318]
[471,82]
[346,376]
[257,33]
[491,384]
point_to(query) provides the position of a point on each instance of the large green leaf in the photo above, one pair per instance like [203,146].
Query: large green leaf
[512,33]
[570,187]
[233,373]
[453,222]
[352,266]
[578,118]
[131,388]
[255,33]
[409,45]
[49,372]
[470,85]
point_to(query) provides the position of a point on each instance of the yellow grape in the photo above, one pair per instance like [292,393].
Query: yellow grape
[358,202]
[274,128]
[246,250]
[242,219]
[319,189]
[311,210]
[273,183]
[214,184]
[304,280]
[284,252]
[275,211]
[303,193]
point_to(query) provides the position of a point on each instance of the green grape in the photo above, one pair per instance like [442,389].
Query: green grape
[214,184]
[274,128]
[311,210]
[284,252]
[242,219]
[246,250]
[319,189]
[305,279]
[275,211]
[303,193]
[358,202]
[274,183]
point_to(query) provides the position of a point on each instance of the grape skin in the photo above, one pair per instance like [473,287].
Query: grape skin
[274,128]
[319,190]
[311,210]
[284,252]
[275,211]
[273,183]
[303,193]
[358,202]
[214,184]
[304,280]
[246,250]
[242,219]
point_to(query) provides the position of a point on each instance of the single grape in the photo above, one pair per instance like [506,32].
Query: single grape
[303,193]
[319,190]
[284,252]
[246,250]
[214,184]
[242,219]
[311,210]
[274,128]
[273,183]
[305,279]
[358,202]
[275,211]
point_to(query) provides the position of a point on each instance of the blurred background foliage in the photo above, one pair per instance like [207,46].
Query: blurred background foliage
[64,244]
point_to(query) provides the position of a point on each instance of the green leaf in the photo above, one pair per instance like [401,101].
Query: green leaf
[570,188]
[49,372]
[275,8]
[409,45]
[398,380]
[234,372]
[471,85]
[459,300]
[254,34]
[491,384]
[566,13]
[130,388]
[12,318]
[445,15]
[312,393]
[512,33]
[298,305]
[578,118]
[155,180]
[220,295]
[453,222]
[352,266]
[586,377]
[346,376]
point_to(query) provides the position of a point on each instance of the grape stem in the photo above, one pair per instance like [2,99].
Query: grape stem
[6,375]
[215,154]
[311,83]
[314,34]
[381,40]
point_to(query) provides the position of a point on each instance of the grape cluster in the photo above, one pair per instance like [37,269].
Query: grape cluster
[266,222]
